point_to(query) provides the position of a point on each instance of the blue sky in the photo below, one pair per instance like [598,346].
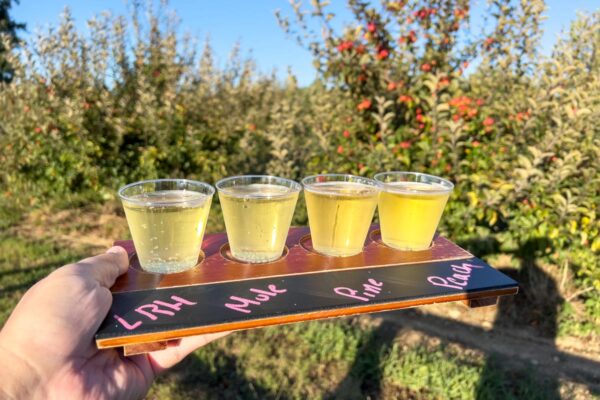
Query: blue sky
[253,24]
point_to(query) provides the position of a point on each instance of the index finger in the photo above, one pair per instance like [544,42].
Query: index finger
[163,359]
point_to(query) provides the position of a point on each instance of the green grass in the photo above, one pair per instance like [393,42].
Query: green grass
[446,373]
[301,360]
[572,324]
[339,359]
[23,263]
[10,213]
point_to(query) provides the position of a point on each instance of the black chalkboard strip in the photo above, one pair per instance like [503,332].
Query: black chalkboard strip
[369,283]
[162,336]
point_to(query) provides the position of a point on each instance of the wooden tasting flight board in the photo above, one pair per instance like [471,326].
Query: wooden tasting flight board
[220,294]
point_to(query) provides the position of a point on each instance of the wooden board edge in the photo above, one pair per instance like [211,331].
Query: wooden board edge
[485,301]
[301,317]
[141,348]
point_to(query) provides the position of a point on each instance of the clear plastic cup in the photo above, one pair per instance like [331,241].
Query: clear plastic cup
[410,207]
[340,210]
[258,211]
[167,218]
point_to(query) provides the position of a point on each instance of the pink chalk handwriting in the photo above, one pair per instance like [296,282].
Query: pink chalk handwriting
[458,280]
[242,303]
[150,311]
[126,324]
[369,291]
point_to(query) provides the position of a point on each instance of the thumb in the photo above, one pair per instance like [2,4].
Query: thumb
[107,267]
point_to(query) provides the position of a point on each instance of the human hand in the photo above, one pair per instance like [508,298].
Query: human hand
[47,347]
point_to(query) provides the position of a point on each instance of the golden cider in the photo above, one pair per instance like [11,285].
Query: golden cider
[409,213]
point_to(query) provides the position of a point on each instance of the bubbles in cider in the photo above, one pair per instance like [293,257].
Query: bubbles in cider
[257,218]
[167,228]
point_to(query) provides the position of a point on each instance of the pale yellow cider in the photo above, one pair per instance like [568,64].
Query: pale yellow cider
[167,228]
[257,218]
[339,215]
[409,213]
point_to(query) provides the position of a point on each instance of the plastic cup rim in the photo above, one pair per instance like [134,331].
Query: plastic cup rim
[123,197]
[361,179]
[445,186]
[294,186]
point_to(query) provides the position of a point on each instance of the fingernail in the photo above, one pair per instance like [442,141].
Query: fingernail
[116,250]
